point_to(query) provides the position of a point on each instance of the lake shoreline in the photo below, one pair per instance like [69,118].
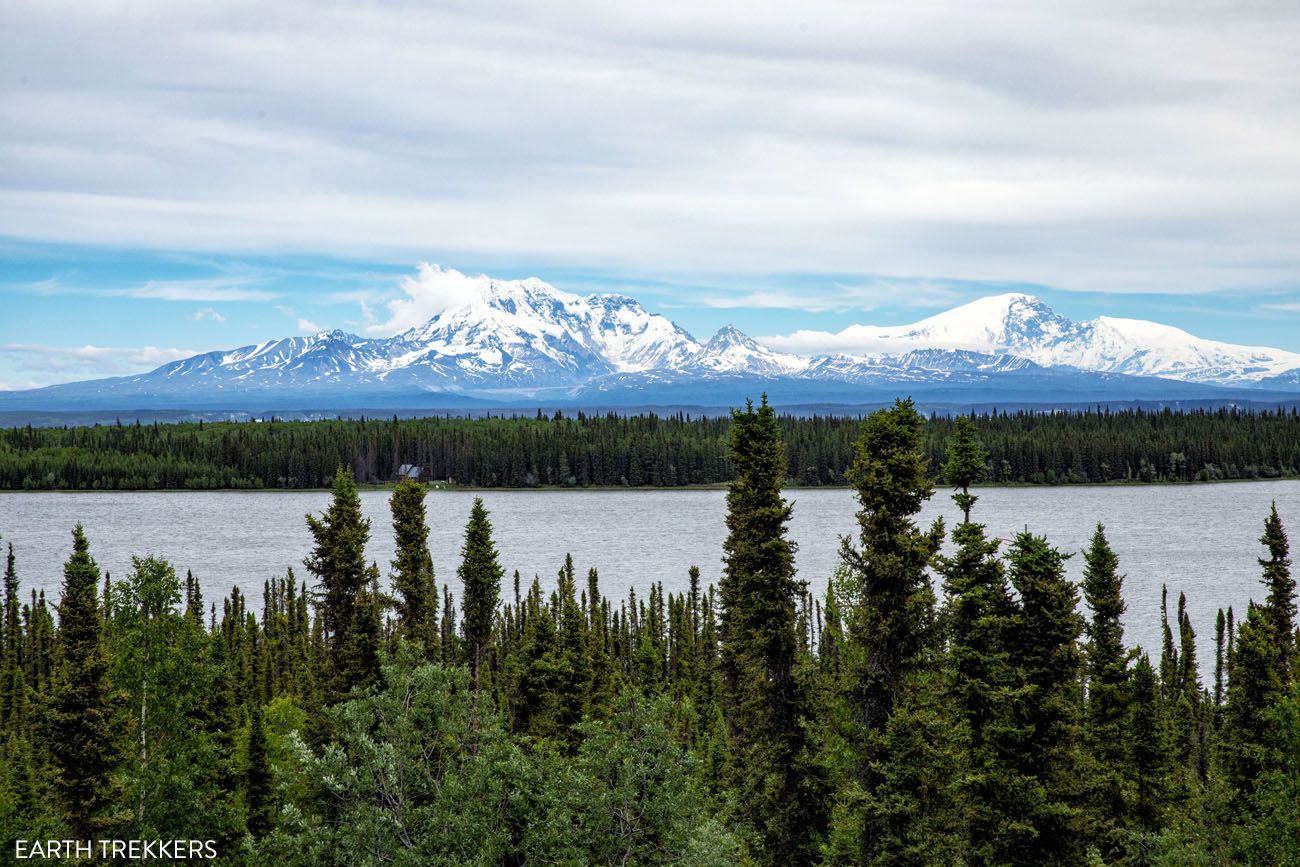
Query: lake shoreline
[435,488]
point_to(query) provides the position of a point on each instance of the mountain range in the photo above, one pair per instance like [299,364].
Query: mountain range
[524,342]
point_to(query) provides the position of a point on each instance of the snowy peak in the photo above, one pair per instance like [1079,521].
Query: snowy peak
[527,330]
[733,351]
[1025,326]
[991,324]
[633,339]
[1142,348]
[521,337]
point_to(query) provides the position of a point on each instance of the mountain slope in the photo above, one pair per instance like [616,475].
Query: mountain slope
[1023,325]
[513,340]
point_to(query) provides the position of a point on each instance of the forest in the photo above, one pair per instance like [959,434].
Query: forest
[636,451]
[971,709]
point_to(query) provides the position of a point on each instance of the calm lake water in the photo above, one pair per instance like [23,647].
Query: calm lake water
[1201,539]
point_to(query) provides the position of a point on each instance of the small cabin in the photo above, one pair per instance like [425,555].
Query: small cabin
[409,471]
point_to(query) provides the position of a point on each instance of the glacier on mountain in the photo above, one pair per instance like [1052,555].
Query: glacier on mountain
[524,338]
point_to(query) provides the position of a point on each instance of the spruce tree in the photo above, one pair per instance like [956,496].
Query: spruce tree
[481,575]
[413,578]
[575,660]
[965,463]
[257,776]
[360,664]
[764,704]
[890,625]
[339,562]
[1280,603]
[1261,663]
[1220,646]
[984,684]
[81,735]
[1045,646]
[1107,688]
[1147,748]
[13,685]
[10,626]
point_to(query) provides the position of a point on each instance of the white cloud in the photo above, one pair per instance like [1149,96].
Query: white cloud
[306,326]
[810,342]
[41,364]
[843,297]
[429,292]
[194,290]
[208,313]
[1102,146]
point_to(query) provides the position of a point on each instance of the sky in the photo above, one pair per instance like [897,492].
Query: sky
[177,178]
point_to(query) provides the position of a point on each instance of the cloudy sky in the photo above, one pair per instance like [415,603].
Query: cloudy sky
[177,177]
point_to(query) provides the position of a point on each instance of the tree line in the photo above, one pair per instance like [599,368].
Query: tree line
[929,710]
[640,450]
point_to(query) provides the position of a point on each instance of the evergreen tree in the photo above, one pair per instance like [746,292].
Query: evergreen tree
[257,776]
[1280,603]
[1045,646]
[984,685]
[1220,645]
[764,706]
[575,661]
[365,639]
[1107,708]
[1147,748]
[890,621]
[965,464]
[413,579]
[1261,663]
[339,562]
[13,685]
[82,739]
[481,575]
[171,776]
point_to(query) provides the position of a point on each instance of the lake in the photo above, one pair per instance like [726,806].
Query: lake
[1198,539]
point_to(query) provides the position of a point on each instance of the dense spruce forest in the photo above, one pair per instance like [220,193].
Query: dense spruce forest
[642,450]
[930,710]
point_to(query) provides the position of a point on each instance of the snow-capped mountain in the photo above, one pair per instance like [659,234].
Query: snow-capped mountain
[526,332]
[1023,325]
[730,351]
[513,340]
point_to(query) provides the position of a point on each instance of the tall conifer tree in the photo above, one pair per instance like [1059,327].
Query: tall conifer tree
[257,776]
[1045,646]
[413,578]
[980,619]
[339,561]
[82,736]
[481,575]
[890,624]
[965,463]
[1280,603]
[764,704]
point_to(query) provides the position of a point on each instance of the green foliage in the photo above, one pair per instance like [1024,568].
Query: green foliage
[160,665]
[81,737]
[1108,694]
[746,723]
[985,688]
[480,573]
[1045,647]
[965,463]
[338,560]
[413,579]
[764,704]
[1280,603]
[422,772]
[641,450]
[890,631]
[628,797]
